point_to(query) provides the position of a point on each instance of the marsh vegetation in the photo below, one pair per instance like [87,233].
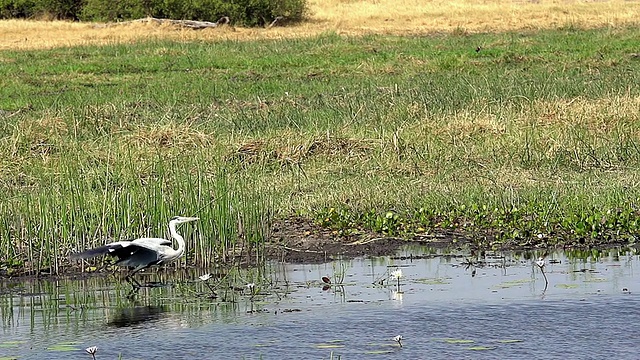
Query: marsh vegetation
[517,138]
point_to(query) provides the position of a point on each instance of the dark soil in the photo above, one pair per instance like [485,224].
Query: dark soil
[298,240]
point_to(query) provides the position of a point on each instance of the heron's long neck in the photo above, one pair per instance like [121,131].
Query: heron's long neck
[178,238]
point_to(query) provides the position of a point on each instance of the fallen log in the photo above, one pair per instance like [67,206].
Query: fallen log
[191,24]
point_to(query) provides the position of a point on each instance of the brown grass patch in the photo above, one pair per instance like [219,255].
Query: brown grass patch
[293,153]
[398,17]
[169,136]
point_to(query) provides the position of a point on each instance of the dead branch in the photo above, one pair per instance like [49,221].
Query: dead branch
[191,24]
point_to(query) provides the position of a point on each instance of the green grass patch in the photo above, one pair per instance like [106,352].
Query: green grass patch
[533,140]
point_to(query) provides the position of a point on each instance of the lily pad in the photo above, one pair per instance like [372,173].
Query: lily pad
[509,341]
[481,348]
[433,281]
[512,283]
[378,352]
[566,286]
[65,346]
[458,341]
[10,344]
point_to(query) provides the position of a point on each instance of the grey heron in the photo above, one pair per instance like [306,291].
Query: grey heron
[141,253]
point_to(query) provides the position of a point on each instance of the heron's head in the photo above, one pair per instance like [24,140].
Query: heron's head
[182,219]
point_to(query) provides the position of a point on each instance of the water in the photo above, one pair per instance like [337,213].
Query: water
[443,309]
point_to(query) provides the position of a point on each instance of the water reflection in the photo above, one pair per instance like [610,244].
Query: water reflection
[130,316]
[351,307]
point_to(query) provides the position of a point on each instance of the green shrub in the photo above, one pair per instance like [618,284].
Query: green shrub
[99,10]
[16,8]
[52,9]
[241,12]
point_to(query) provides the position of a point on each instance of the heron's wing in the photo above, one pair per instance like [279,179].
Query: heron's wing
[137,256]
[151,243]
[101,250]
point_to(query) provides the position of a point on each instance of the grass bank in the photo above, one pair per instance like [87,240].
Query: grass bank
[515,138]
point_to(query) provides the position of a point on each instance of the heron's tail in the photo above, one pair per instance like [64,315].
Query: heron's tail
[91,253]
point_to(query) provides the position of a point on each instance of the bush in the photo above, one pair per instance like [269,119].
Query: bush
[241,12]
[52,9]
[16,8]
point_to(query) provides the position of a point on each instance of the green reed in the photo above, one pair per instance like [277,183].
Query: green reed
[44,227]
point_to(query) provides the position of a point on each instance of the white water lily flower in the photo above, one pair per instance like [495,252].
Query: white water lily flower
[250,286]
[540,262]
[91,350]
[398,339]
[205,277]
[396,274]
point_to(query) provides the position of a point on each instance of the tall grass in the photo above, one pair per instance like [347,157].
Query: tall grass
[43,226]
[500,136]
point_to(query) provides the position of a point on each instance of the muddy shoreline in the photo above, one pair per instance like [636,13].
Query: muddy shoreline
[297,240]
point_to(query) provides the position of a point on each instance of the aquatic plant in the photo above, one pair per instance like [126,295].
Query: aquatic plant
[398,339]
[252,290]
[205,278]
[92,351]
[397,274]
[540,263]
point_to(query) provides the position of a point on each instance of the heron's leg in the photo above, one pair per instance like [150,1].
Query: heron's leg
[134,283]
[133,292]
[131,280]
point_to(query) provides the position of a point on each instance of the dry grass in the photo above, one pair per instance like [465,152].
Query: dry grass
[350,17]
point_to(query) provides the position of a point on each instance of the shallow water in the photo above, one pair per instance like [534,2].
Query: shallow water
[443,308]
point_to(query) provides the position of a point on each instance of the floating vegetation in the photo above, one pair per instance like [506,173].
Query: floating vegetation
[597,279]
[512,283]
[268,343]
[481,348]
[567,286]
[457,341]
[378,352]
[509,341]
[328,346]
[65,346]
[433,281]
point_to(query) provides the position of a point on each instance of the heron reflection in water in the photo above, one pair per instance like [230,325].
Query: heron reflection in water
[131,316]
